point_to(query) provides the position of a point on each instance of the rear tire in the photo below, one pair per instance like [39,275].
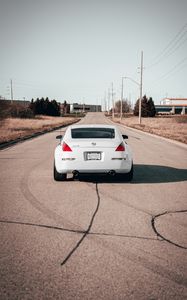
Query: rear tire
[129,176]
[58,176]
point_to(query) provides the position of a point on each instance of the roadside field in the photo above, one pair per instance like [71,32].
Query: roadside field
[172,127]
[14,128]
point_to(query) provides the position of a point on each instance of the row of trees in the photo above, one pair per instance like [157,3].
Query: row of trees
[147,107]
[52,108]
[45,107]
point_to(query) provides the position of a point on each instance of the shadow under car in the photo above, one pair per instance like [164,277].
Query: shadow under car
[142,174]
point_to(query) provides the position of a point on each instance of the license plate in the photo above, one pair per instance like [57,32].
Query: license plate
[93,156]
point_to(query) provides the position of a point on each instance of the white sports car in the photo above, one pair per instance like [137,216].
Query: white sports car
[91,149]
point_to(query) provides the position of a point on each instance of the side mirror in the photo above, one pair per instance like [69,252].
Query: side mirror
[59,137]
[125,137]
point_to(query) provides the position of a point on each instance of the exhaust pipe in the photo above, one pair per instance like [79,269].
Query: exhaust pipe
[75,173]
[112,173]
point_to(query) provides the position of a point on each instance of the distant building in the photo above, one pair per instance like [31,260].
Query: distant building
[75,107]
[172,106]
[174,101]
[24,103]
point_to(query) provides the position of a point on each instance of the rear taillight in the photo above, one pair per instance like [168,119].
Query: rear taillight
[65,147]
[121,147]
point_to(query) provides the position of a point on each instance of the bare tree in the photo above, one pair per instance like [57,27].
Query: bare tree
[126,106]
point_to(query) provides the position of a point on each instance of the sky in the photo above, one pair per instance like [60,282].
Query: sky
[75,50]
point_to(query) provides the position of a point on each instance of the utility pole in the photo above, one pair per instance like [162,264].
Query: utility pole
[141,77]
[129,100]
[96,108]
[112,102]
[11,90]
[108,101]
[105,105]
[121,107]
[83,107]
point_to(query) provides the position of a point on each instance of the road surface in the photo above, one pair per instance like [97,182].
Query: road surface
[93,238]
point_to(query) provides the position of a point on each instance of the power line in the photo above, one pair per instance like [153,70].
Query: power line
[176,37]
[171,47]
[176,47]
[168,54]
[173,70]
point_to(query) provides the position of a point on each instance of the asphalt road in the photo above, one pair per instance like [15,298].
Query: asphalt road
[93,238]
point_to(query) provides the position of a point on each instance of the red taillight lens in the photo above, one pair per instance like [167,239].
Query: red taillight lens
[65,147]
[121,147]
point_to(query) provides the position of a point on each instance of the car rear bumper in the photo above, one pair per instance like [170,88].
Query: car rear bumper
[118,166]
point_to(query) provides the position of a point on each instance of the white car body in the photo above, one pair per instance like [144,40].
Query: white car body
[92,149]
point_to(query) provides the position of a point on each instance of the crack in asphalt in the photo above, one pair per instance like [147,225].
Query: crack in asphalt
[84,232]
[130,256]
[24,186]
[77,231]
[46,211]
[159,234]
[162,271]
[42,226]
[87,231]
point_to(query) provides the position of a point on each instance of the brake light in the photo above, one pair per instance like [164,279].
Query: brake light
[121,147]
[65,147]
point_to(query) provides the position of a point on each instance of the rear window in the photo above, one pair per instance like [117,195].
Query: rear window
[93,133]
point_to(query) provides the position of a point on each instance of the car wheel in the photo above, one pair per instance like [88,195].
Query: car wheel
[58,176]
[129,176]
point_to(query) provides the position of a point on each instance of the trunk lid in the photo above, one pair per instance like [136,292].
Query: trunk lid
[96,144]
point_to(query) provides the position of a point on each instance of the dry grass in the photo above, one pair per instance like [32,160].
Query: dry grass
[172,127]
[13,128]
